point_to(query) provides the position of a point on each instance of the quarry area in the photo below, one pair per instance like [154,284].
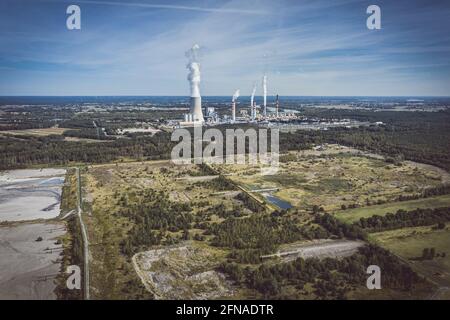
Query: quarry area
[30,194]
[28,268]
[30,245]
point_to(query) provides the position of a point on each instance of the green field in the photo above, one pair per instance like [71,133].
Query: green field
[352,215]
[408,243]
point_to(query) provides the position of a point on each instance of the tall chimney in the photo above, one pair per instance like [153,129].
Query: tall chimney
[277,105]
[233,111]
[264,85]
[252,99]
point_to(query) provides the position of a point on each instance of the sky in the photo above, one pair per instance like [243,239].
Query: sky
[306,47]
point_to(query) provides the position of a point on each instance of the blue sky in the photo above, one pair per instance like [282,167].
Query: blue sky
[306,47]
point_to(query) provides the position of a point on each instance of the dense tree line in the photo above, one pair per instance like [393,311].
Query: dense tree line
[77,123]
[219,184]
[418,136]
[428,192]
[338,228]
[403,219]
[32,117]
[261,232]
[221,211]
[251,203]
[88,133]
[330,278]
[153,214]
[22,151]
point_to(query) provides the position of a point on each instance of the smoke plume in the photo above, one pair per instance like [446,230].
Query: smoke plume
[194,70]
[235,95]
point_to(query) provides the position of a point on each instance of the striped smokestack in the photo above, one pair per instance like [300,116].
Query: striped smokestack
[277,105]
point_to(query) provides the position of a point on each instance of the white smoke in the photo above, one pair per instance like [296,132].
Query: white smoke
[194,70]
[264,84]
[253,95]
[235,95]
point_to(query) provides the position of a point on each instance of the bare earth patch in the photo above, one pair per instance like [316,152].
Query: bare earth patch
[30,194]
[317,249]
[181,272]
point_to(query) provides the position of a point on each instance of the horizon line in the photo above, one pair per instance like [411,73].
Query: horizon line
[187,96]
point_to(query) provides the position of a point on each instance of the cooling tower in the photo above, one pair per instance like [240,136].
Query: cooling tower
[196,109]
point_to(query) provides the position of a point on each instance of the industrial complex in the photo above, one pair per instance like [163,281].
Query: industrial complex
[251,113]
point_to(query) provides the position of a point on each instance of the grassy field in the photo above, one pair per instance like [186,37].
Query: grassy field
[408,243]
[49,131]
[36,132]
[337,176]
[352,215]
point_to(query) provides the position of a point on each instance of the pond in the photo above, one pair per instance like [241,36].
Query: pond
[284,205]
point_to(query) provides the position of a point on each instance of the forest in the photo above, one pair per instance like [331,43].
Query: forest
[330,278]
[22,151]
[418,136]
[153,214]
[404,219]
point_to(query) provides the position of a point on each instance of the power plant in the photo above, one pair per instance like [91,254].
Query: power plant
[195,116]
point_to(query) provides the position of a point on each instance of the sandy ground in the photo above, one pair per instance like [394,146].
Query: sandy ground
[30,194]
[30,173]
[28,267]
[318,249]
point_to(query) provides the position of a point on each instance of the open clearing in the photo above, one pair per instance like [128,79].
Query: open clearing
[317,249]
[408,243]
[28,267]
[47,132]
[352,215]
[36,132]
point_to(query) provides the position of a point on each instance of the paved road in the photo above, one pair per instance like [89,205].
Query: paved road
[85,238]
